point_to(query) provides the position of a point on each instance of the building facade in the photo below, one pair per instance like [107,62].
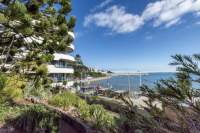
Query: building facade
[60,69]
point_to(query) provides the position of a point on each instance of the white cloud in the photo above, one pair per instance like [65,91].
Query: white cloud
[173,22]
[106,2]
[102,5]
[161,12]
[169,12]
[115,18]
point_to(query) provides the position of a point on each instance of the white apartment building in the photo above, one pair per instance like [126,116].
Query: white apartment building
[60,69]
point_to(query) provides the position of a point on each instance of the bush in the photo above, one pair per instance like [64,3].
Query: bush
[42,70]
[64,100]
[64,82]
[101,118]
[7,112]
[96,74]
[2,81]
[14,87]
[40,93]
[37,118]
[84,109]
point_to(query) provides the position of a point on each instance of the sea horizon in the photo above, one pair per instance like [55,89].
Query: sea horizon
[144,72]
[122,82]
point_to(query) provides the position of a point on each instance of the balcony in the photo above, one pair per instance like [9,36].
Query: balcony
[70,48]
[54,69]
[63,56]
[61,64]
[61,78]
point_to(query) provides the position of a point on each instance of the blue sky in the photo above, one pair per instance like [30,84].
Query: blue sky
[132,35]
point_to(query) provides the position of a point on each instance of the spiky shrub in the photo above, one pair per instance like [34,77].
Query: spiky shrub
[101,117]
[96,114]
[37,118]
[38,93]
[64,100]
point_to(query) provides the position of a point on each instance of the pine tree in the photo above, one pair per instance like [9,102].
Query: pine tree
[31,31]
[80,69]
[180,95]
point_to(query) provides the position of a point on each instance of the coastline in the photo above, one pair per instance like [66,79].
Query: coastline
[94,79]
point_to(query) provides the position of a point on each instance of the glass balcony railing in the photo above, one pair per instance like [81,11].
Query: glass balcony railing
[60,64]
[63,66]
[61,79]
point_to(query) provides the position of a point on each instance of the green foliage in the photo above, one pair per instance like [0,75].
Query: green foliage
[84,110]
[17,10]
[41,70]
[37,118]
[7,112]
[64,82]
[72,22]
[3,19]
[14,87]
[96,74]
[172,92]
[64,100]
[77,74]
[180,102]
[40,92]
[101,118]
[2,81]
[80,70]
[37,29]
[178,98]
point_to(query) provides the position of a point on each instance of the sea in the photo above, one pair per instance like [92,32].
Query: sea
[124,82]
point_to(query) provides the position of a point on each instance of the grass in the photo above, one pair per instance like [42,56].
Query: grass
[29,118]
[64,100]
[8,112]
[37,118]
[96,114]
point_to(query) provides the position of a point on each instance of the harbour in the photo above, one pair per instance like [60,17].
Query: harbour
[130,82]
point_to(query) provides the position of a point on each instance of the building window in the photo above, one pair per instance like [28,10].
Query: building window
[61,77]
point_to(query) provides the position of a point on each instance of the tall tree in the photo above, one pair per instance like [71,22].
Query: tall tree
[79,67]
[30,32]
